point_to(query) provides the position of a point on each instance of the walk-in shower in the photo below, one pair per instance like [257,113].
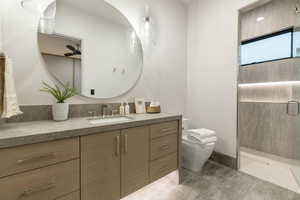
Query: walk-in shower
[269,93]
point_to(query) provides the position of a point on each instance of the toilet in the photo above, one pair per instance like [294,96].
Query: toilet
[198,149]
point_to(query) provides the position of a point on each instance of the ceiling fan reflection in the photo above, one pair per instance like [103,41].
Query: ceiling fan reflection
[75,51]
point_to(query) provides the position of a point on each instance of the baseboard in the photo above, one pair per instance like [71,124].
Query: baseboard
[224,160]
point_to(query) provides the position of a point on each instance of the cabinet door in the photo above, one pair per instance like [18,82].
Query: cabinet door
[135,159]
[100,166]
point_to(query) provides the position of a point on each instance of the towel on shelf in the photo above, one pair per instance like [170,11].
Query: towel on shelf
[200,140]
[202,133]
[10,101]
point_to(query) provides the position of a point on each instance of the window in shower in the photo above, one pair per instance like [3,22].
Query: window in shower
[296,42]
[275,46]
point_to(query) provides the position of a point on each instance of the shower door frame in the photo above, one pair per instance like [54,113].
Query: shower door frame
[251,6]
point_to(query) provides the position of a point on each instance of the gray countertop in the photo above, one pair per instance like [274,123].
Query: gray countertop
[16,134]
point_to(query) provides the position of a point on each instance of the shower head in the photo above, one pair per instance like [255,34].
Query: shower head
[297,7]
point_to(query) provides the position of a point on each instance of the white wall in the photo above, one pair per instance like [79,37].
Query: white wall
[212,68]
[164,72]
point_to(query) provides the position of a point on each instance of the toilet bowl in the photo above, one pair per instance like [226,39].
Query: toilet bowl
[196,152]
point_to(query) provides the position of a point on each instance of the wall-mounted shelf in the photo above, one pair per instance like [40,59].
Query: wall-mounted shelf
[55,45]
[71,57]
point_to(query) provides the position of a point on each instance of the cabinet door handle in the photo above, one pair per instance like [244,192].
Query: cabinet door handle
[117,146]
[36,190]
[166,130]
[36,158]
[125,144]
[165,147]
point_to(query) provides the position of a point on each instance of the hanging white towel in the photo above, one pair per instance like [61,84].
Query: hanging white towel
[10,101]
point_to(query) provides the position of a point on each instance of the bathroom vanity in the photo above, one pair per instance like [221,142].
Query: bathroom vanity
[76,159]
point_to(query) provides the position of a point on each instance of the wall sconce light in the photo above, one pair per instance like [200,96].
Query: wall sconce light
[37,6]
[297,8]
[46,9]
[148,27]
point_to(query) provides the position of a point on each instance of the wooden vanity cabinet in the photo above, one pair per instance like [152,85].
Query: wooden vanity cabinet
[103,166]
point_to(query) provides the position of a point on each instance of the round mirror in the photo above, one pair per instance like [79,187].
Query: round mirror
[91,46]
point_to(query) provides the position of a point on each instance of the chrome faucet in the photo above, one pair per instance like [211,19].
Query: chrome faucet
[92,114]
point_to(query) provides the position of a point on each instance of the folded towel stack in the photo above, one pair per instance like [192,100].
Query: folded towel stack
[202,136]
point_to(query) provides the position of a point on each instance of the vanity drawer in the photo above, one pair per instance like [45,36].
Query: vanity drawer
[72,196]
[24,158]
[163,129]
[163,146]
[46,183]
[161,167]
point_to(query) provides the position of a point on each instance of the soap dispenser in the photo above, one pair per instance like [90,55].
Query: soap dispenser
[122,109]
[127,109]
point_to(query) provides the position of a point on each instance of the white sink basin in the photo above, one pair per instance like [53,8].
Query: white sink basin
[110,120]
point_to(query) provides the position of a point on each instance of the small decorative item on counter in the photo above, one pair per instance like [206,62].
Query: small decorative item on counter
[140,107]
[127,109]
[122,109]
[154,108]
[60,109]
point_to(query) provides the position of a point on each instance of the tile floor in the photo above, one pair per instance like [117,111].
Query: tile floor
[271,168]
[214,182]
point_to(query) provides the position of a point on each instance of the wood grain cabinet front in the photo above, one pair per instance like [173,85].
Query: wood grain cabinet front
[28,157]
[161,167]
[135,159]
[48,183]
[114,164]
[101,166]
[72,196]
[164,146]
[163,129]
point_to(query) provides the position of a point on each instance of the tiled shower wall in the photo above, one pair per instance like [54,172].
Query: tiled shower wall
[264,124]
[266,127]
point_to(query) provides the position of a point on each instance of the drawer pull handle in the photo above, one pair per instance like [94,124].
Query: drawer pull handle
[36,158]
[117,146]
[125,144]
[36,190]
[165,147]
[166,130]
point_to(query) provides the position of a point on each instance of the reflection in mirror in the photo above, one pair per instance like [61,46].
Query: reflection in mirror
[93,47]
